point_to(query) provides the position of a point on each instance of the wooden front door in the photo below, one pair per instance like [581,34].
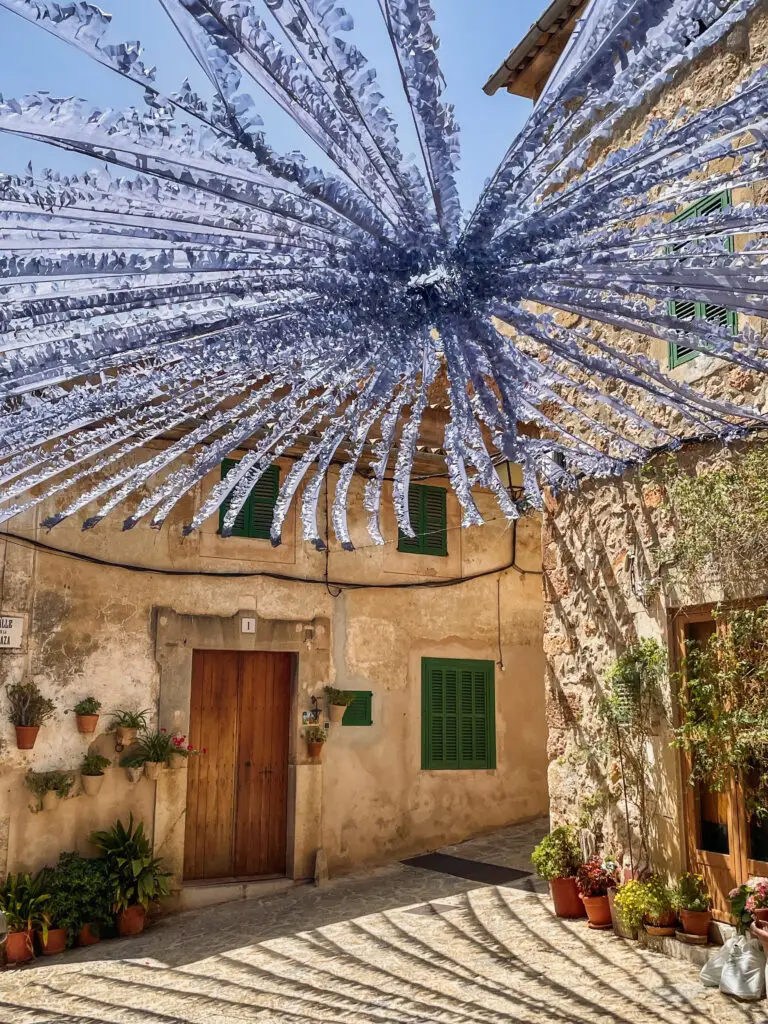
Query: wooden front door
[724,844]
[237,791]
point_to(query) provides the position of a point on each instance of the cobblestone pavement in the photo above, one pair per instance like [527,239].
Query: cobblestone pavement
[397,945]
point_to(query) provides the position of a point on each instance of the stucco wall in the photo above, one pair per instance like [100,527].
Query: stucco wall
[94,630]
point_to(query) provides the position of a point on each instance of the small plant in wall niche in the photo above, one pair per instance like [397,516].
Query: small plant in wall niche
[28,709]
[126,723]
[134,767]
[87,714]
[92,772]
[315,737]
[338,702]
[50,787]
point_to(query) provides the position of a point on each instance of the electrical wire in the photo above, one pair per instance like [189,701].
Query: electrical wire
[249,574]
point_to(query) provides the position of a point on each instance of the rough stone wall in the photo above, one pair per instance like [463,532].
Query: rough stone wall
[91,630]
[605,584]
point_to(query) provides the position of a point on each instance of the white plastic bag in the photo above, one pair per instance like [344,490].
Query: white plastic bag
[712,970]
[743,974]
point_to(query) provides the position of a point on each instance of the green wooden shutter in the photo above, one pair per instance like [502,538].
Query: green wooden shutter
[687,309]
[458,714]
[427,508]
[255,517]
[359,711]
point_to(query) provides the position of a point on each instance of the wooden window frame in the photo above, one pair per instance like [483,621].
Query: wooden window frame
[428,763]
[679,354]
[426,542]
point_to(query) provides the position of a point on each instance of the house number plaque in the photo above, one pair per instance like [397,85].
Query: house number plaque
[11,631]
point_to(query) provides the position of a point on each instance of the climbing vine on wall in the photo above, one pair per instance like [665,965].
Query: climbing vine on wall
[724,707]
[720,519]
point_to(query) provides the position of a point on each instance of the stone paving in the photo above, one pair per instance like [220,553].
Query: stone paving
[397,945]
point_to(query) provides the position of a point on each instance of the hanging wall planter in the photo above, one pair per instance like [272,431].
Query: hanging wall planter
[26,736]
[315,737]
[152,769]
[87,715]
[28,709]
[50,787]
[92,773]
[134,772]
[338,702]
[126,723]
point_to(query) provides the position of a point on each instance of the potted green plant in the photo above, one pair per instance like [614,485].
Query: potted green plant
[181,752]
[315,736]
[154,749]
[134,767]
[87,714]
[126,723]
[92,772]
[28,709]
[50,787]
[692,901]
[23,901]
[135,877]
[557,859]
[79,897]
[660,916]
[338,702]
[593,880]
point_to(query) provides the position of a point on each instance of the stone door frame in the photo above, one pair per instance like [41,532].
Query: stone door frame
[176,636]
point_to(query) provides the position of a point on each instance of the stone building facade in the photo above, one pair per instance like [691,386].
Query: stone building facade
[130,639]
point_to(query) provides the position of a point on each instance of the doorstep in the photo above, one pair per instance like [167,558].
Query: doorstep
[669,946]
[210,894]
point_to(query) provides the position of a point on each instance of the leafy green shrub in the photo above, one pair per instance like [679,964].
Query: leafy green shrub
[40,783]
[342,698]
[87,706]
[154,746]
[558,855]
[94,764]
[134,875]
[634,681]
[27,705]
[79,893]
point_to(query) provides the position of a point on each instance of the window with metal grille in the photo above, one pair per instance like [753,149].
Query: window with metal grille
[359,711]
[255,517]
[687,309]
[458,714]
[427,509]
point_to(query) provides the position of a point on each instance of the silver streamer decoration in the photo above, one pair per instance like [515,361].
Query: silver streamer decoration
[203,286]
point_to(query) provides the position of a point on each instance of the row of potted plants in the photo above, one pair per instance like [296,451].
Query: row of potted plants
[83,898]
[596,889]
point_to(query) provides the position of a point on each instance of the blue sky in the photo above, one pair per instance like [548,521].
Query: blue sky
[476,36]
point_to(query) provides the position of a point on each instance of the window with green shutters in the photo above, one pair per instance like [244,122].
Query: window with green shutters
[427,509]
[359,711]
[458,714]
[687,309]
[255,517]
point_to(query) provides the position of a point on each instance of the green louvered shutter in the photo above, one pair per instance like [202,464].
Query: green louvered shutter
[359,711]
[255,517]
[404,542]
[687,309]
[458,716]
[262,503]
[427,509]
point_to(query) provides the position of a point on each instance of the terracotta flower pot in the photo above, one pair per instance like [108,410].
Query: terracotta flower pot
[663,925]
[336,712]
[87,936]
[55,943]
[134,772]
[50,800]
[152,770]
[92,783]
[695,922]
[761,914]
[131,921]
[565,897]
[176,761]
[26,736]
[598,911]
[18,947]
[315,749]
[87,723]
[125,735]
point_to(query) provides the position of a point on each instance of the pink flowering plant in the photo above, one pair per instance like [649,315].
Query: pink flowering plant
[596,877]
[180,746]
[738,899]
[758,898]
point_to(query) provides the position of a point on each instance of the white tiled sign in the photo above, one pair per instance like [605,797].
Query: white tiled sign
[11,631]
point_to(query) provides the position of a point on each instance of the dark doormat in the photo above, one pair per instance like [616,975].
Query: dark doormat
[475,870]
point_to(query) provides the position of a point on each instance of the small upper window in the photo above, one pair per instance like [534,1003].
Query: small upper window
[426,506]
[687,309]
[255,517]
